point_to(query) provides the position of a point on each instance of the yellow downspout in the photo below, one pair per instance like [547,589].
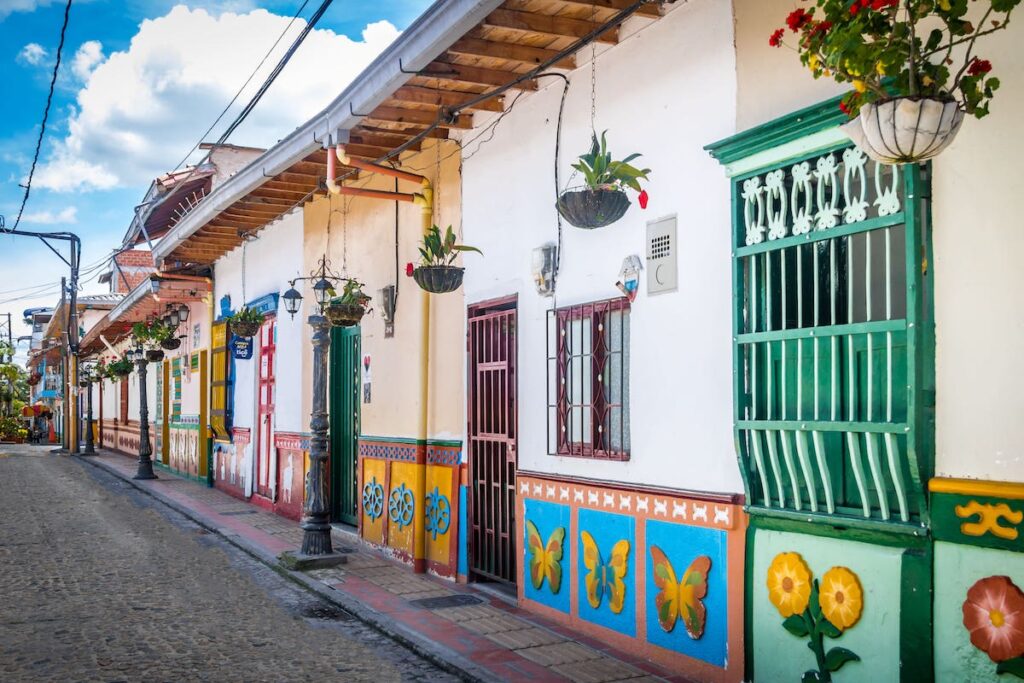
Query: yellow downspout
[426,202]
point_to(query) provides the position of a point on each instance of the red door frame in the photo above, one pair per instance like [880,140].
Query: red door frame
[265,401]
[493,426]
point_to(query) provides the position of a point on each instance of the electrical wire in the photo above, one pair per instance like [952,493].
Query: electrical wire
[244,85]
[46,115]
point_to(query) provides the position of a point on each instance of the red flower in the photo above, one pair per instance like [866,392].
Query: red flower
[796,19]
[844,107]
[408,269]
[883,4]
[776,39]
[979,67]
[643,198]
[854,8]
[994,616]
[821,27]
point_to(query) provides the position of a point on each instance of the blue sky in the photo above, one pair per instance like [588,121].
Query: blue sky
[140,80]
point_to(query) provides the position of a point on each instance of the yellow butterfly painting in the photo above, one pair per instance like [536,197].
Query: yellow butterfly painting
[605,578]
[545,559]
[681,600]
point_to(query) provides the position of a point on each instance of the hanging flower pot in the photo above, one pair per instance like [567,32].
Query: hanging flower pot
[437,272]
[348,309]
[171,344]
[593,207]
[244,328]
[344,315]
[905,130]
[439,279]
[154,355]
[911,88]
[603,200]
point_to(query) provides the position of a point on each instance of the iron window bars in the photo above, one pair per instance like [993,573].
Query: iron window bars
[834,339]
[588,380]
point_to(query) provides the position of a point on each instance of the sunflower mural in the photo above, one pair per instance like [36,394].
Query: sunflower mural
[994,616]
[816,610]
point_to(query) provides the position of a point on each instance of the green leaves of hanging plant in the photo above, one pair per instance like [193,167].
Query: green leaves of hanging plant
[438,250]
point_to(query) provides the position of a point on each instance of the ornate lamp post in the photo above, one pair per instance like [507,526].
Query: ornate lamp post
[317,550]
[88,377]
[145,470]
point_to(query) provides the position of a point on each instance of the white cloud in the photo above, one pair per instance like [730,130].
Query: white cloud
[88,57]
[10,6]
[64,216]
[141,109]
[32,54]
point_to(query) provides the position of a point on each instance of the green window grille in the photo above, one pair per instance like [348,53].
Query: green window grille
[833,339]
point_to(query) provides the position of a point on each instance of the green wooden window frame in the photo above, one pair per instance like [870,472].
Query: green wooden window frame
[833,333]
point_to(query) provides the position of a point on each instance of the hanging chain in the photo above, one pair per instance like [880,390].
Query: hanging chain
[593,74]
[344,236]
[330,217]
[245,243]
[437,181]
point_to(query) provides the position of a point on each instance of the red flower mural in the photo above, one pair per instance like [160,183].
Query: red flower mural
[994,616]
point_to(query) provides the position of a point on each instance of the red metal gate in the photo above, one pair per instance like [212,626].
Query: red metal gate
[264,418]
[492,440]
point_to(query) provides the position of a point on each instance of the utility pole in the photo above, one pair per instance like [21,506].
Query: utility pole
[3,359]
[71,348]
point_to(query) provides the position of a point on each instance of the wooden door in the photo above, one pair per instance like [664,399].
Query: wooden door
[265,408]
[492,413]
[344,406]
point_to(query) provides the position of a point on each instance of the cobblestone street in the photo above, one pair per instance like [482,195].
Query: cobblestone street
[99,582]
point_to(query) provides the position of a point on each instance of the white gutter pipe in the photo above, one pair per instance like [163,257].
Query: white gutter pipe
[432,33]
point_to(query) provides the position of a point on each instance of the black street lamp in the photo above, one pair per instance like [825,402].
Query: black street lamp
[145,470]
[89,377]
[317,550]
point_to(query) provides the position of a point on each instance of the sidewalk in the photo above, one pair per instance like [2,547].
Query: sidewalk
[475,635]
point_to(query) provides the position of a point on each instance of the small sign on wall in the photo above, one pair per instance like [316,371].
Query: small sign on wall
[241,348]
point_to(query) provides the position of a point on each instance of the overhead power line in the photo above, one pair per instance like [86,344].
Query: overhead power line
[46,115]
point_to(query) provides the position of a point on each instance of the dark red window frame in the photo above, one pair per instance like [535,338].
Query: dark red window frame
[603,411]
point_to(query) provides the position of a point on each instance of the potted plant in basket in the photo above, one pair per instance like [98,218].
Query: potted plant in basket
[436,272]
[246,322]
[152,334]
[348,309]
[911,64]
[122,367]
[603,200]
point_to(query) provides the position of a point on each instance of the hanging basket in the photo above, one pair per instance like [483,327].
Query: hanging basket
[244,328]
[905,130]
[344,315]
[170,344]
[154,355]
[439,279]
[592,208]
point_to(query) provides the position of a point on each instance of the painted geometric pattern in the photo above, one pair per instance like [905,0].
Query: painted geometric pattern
[654,505]
[373,499]
[401,506]
[443,455]
[388,451]
[439,513]
[291,441]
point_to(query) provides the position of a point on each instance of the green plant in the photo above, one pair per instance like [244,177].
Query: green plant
[351,294]
[152,332]
[247,315]
[436,250]
[601,172]
[917,48]
[120,368]
[10,427]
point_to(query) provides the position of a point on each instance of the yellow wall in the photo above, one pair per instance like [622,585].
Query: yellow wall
[362,245]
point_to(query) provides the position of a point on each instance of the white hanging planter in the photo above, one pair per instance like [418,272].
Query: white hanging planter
[905,130]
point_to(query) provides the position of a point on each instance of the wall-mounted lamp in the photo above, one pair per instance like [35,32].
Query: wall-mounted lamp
[544,258]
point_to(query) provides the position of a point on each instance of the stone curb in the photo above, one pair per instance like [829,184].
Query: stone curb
[444,657]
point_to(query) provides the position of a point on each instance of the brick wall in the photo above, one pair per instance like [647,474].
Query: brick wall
[136,265]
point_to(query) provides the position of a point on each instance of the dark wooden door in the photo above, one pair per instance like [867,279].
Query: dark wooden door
[492,441]
[344,407]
